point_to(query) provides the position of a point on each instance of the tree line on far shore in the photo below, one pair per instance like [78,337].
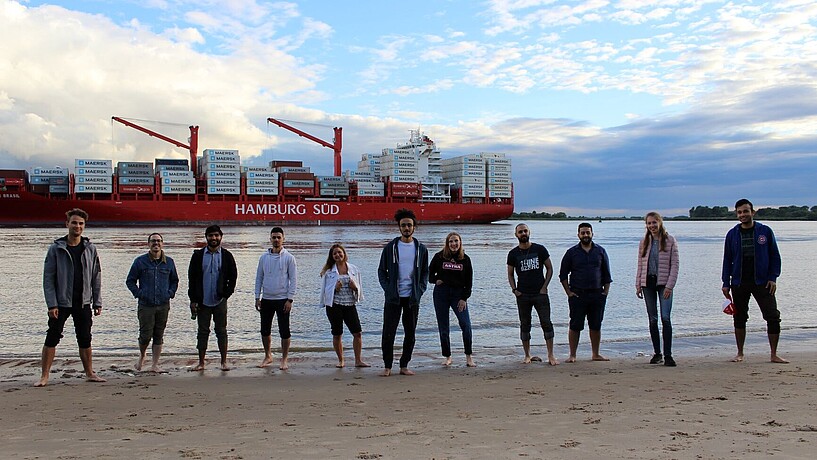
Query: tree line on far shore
[695,213]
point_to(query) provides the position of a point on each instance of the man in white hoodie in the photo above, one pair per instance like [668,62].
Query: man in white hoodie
[275,284]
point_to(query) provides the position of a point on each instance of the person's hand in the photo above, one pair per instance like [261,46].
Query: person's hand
[352,285]
[257,304]
[98,310]
[439,283]
[461,305]
[288,306]
[638,292]
[54,312]
[726,293]
[772,287]
[667,292]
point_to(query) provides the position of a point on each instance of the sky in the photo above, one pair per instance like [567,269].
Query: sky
[605,107]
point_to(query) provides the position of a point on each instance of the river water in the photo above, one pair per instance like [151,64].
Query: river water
[696,308]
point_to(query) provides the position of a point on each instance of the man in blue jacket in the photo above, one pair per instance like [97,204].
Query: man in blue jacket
[153,280]
[751,265]
[403,275]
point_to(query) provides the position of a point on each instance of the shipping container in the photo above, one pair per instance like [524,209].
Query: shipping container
[222,152]
[178,181]
[297,176]
[96,180]
[57,171]
[57,189]
[94,171]
[262,175]
[262,190]
[136,189]
[221,159]
[223,175]
[298,183]
[188,174]
[104,164]
[162,168]
[93,189]
[370,193]
[223,182]
[171,162]
[178,189]
[262,182]
[293,169]
[224,190]
[289,163]
[298,191]
[232,167]
[136,180]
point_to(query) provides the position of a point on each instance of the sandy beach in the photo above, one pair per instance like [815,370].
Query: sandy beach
[706,408]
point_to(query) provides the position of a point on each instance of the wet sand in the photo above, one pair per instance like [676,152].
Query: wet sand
[706,407]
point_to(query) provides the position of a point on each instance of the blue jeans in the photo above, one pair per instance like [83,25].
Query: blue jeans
[652,297]
[445,298]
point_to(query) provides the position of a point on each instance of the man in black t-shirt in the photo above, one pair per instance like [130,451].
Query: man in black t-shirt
[71,284]
[530,263]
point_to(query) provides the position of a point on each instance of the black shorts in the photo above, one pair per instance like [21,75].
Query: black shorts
[83,319]
[268,310]
[339,314]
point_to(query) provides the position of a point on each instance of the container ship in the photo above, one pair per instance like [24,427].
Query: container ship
[216,188]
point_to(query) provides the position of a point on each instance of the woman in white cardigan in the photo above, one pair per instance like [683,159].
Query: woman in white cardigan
[654,282]
[341,291]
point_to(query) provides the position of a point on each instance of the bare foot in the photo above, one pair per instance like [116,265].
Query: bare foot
[284,364]
[361,364]
[470,362]
[139,363]
[340,364]
[600,358]
[738,358]
[779,360]
[156,369]
[448,361]
[385,373]
[198,368]
[527,360]
[406,371]
[570,359]
[94,378]
[266,362]
[553,361]
[225,367]
[42,382]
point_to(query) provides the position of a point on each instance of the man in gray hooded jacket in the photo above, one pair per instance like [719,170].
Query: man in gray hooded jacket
[403,275]
[72,283]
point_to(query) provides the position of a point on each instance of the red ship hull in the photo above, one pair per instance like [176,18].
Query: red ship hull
[23,208]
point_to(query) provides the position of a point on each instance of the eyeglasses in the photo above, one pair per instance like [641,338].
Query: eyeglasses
[154,241]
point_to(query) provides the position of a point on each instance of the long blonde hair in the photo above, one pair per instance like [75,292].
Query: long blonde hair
[662,234]
[447,252]
[330,262]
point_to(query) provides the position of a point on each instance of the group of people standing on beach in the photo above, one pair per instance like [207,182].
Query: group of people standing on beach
[72,287]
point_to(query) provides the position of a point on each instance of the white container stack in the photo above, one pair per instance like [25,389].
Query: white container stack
[399,167]
[497,175]
[221,170]
[467,172]
[260,180]
[369,164]
[93,176]
[177,182]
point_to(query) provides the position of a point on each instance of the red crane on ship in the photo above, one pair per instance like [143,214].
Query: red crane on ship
[336,145]
[192,148]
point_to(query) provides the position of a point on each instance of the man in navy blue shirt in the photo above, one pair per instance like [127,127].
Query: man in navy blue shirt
[751,265]
[585,276]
